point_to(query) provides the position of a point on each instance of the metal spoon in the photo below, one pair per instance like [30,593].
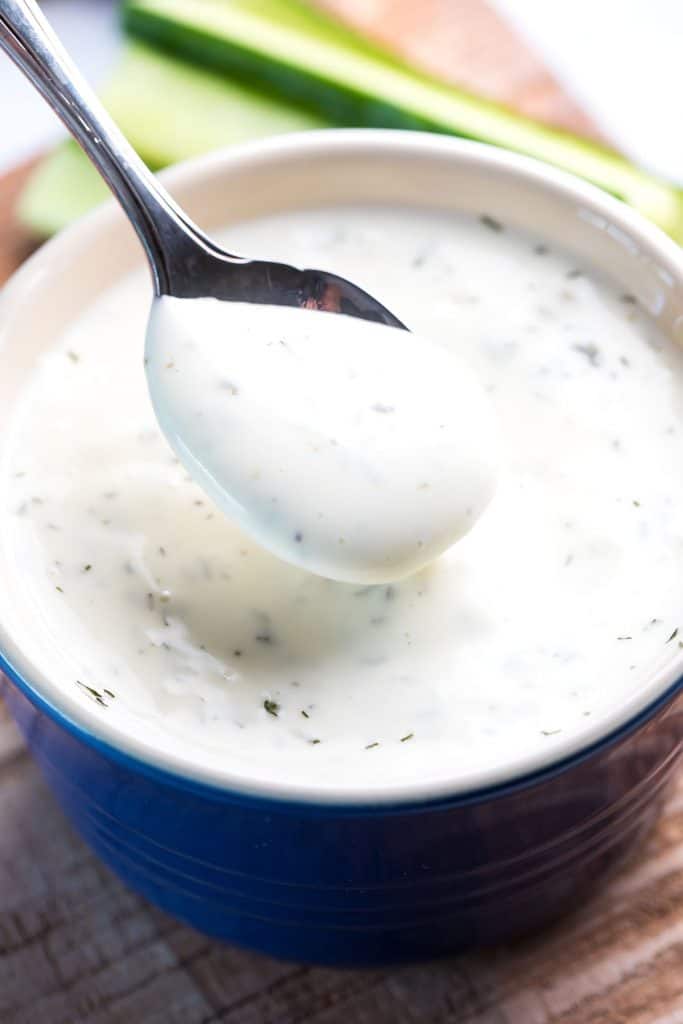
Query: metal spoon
[301,515]
[184,262]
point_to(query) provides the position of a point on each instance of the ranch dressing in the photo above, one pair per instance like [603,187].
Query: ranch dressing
[159,620]
[355,450]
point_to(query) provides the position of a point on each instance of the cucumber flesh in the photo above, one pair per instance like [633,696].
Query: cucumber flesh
[281,46]
[62,188]
[169,110]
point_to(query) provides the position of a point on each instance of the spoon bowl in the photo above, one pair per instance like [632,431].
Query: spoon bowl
[200,269]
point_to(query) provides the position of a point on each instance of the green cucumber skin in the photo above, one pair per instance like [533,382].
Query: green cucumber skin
[343,108]
[348,104]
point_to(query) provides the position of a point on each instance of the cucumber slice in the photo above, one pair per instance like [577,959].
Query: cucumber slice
[305,57]
[169,110]
[63,186]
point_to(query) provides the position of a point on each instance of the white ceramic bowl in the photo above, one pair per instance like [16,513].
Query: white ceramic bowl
[499,817]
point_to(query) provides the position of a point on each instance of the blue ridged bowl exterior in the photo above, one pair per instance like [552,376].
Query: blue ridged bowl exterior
[368,884]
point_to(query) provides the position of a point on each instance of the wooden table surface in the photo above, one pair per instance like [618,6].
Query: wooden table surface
[76,947]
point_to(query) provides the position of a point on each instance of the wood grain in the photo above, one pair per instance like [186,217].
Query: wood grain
[76,947]
[465,42]
[15,243]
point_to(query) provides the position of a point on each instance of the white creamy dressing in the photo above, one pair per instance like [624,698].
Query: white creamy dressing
[155,613]
[355,450]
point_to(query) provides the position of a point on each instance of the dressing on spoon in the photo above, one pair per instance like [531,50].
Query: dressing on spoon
[352,449]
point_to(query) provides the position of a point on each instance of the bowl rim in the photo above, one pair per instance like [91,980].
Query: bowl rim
[134,752]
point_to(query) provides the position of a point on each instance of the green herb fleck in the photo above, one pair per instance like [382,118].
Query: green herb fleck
[408,736]
[550,732]
[109,693]
[87,568]
[490,222]
[272,707]
[313,742]
[59,589]
[371,745]
[92,693]
[673,635]
[305,713]
[73,356]
[590,351]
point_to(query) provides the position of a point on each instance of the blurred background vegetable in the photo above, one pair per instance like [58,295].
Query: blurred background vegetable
[198,74]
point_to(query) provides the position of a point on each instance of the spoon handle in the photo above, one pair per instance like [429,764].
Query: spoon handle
[161,226]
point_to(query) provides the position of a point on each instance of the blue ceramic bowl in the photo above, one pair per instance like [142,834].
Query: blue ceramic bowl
[393,875]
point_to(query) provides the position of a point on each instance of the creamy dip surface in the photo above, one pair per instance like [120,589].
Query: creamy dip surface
[355,450]
[150,610]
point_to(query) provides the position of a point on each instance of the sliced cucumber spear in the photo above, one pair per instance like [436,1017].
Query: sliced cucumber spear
[170,110]
[301,56]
